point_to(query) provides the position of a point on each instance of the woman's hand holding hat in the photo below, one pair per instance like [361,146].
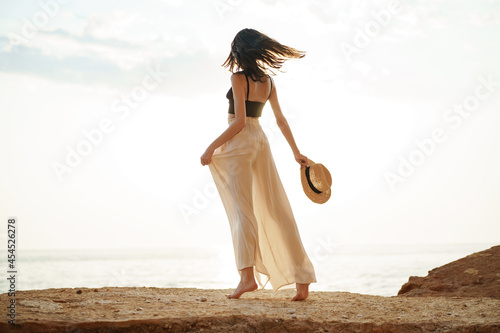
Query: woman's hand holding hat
[301,159]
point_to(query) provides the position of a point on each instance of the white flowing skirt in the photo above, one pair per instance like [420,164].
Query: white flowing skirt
[263,228]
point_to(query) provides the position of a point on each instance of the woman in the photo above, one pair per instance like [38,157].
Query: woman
[265,237]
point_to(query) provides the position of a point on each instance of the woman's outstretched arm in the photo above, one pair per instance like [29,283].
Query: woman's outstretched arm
[238,84]
[285,128]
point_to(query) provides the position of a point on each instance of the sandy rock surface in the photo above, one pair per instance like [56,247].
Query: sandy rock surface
[141,309]
[477,274]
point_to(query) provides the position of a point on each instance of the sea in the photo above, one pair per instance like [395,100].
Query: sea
[366,269]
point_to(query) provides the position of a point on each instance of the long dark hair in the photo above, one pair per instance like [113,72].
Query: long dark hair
[257,54]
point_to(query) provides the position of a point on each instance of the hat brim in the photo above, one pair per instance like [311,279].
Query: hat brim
[319,198]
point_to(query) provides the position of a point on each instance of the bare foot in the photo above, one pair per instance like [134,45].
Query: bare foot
[302,292]
[243,288]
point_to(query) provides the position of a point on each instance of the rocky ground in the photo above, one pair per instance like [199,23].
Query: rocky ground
[199,310]
[459,297]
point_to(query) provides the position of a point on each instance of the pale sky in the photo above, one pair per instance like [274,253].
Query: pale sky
[107,106]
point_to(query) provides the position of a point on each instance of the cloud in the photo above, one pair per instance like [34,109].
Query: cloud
[28,60]
[484,18]
[114,47]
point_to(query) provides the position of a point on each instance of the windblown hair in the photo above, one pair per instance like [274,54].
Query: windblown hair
[257,54]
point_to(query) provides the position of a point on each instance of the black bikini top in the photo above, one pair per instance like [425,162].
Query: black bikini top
[254,109]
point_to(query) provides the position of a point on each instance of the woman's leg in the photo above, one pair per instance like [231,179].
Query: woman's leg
[232,171]
[247,283]
[302,292]
[280,244]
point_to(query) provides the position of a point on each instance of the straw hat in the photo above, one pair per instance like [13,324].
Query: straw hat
[316,182]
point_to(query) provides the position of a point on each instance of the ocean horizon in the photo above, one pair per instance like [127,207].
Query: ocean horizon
[366,269]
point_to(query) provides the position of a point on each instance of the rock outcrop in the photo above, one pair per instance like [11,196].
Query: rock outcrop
[477,275]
